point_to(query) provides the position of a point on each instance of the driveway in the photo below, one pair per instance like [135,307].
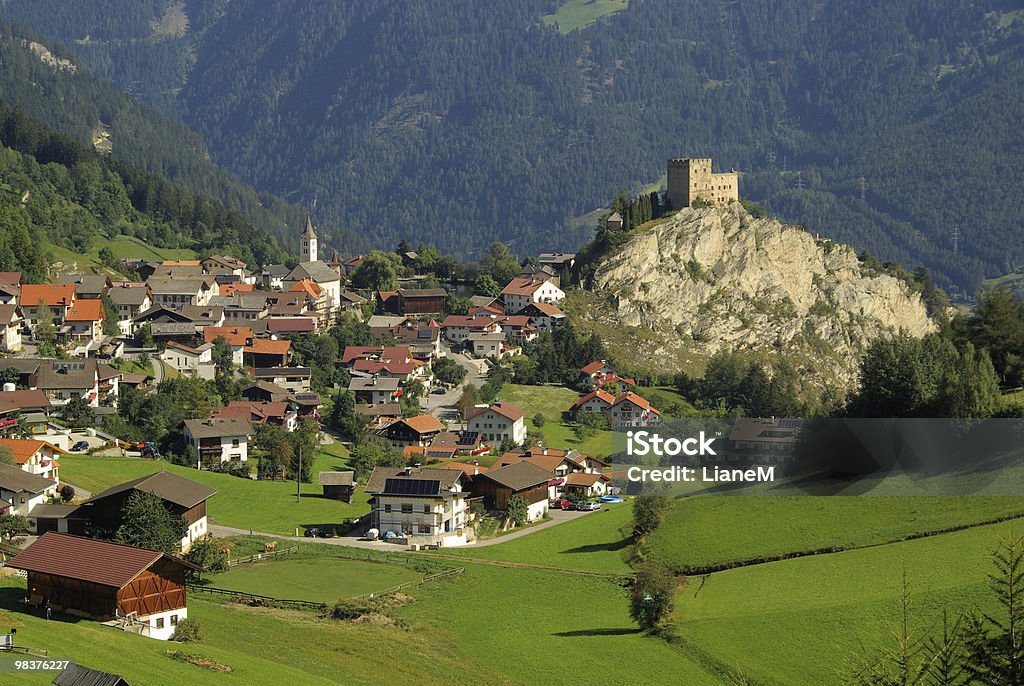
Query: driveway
[442,406]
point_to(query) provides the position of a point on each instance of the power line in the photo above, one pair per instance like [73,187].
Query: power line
[799,181]
[956,240]
[863,183]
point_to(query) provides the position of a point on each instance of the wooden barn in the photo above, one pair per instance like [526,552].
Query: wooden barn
[524,479]
[145,589]
[338,485]
[182,497]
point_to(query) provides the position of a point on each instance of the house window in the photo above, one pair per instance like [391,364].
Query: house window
[407,508]
[234,442]
[159,622]
[387,507]
[426,509]
[174,620]
[424,528]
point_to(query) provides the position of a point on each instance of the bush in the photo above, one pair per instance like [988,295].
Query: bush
[188,631]
[67,493]
[652,596]
[538,420]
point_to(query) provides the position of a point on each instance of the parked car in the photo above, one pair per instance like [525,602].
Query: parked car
[560,504]
[79,446]
[586,505]
[313,532]
[438,391]
[610,499]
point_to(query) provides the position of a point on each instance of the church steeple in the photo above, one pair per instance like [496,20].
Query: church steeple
[309,241]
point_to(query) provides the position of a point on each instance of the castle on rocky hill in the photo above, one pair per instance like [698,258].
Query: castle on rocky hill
[690,179]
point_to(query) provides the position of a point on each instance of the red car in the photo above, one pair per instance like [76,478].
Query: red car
[560,504]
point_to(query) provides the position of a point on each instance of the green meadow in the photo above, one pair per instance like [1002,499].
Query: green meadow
[596,542]
[268,506]
[709,530]
[316,579]
[803,621]
[577,14]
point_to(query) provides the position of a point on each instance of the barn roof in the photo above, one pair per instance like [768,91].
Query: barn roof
[77,675]
[170,487]
[89,559]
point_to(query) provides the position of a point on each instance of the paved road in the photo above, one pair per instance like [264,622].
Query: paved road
[442,406]
[557,517]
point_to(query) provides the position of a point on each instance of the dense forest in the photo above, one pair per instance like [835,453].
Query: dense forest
[887,125]
[46,81]
[54,190]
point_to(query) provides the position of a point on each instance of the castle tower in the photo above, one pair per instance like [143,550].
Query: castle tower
[308,239]
[690,179]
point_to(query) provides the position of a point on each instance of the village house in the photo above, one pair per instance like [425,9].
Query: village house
[374,391]
[20,491]
[579,485]
[175,293]
[463,442]
[419,430]
[87,286]
[323,276]
[62,380]
[129,301]
[31,406]
[319,300]
[144,589]
[272,276]
[490,345]
[11,323]
[423,340]
[34,457]
[182,497]
[215,264]
[292,379]
[523,479]
[765,439]
[457,328]
[497,422]
[594,371]
[425,505]
[218,440]
[55,298]
[242,308]
[630,411]
[338,485]
[197,361]
[84,321]
[524,290]
[544,315]
[420,301]
[282,413]
[267,353]
[77,675]
[10,287]
[236,337]
[597,400]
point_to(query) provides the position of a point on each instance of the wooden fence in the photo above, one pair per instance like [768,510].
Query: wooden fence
[258,599]
[451,571]
[256,557]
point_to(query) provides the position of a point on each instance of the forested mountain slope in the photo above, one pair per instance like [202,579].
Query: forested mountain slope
[461,122]
[48,82]
[54,191]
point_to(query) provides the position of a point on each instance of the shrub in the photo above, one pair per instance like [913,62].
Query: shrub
[538,420]
[188,631]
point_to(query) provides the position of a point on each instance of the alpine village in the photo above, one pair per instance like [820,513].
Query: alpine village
[310,438]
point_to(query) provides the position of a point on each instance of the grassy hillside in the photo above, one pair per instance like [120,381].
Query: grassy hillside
[595,543]
[259,645]
[290,579]
[796,622]
[548,627]
[122,247]
[710,530]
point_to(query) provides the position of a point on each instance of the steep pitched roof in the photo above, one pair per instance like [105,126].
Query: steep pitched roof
[233,335]
[24,448]
[502,407]
[19,400]
[15,479]
[266,346]
[9,314]
[423,423]
[216,428]
[599,393]
[382,476]
[518,476]
[89,559]
[170,487]
[85,311]
[523,285]
[317,271]
[308,231]
[637,400]
[52,294]
[307,286]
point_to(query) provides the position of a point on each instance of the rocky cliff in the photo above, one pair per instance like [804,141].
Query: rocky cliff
[714,278]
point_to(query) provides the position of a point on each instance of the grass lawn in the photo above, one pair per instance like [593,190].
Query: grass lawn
[594,543]
[318,579]
[705,530]
[260,645]
[548,627]
[260,505]
[664,397]
[798,621]
[552,401]
[576,14]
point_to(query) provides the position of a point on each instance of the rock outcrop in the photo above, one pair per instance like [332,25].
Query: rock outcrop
[716,278]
